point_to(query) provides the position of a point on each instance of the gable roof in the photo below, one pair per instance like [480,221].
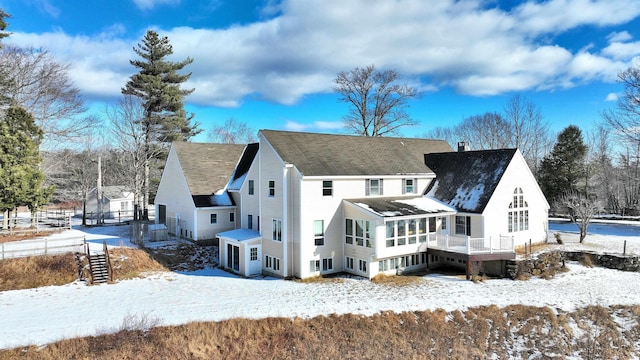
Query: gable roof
[243,167]
[466,180]
[343,155]
[207,169]
[114,192]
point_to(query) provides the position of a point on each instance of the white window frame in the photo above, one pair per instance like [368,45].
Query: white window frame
[409,186]
[276,230]
[213,218]
[251,189]
[374,190]
[318,238]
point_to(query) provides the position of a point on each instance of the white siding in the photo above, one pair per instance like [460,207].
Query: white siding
[517,175]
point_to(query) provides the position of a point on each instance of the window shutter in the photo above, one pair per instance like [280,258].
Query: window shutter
[468,225]
[366,187]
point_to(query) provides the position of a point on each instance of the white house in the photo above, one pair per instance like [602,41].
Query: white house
[192,199]
[116,200]
[313,204]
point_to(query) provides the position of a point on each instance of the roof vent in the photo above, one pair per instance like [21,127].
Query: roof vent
[463,146]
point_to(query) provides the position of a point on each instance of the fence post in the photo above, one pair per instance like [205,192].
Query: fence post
[624,248]
[2,251]
[45,246]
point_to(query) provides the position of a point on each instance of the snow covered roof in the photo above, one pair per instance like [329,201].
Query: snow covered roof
[240,234]
[115,192]
[466,180]
[345,155]
[243,166]
[403,206]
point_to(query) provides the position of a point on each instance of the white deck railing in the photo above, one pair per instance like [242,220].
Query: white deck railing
[469,245]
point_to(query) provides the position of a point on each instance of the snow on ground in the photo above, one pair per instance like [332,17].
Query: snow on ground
[44,315]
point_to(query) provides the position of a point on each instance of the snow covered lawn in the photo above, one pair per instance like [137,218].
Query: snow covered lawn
[44,315]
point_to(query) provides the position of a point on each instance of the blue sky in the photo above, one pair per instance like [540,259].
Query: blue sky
[272,63]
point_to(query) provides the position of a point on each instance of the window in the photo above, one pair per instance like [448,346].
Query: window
[422,230]
[253,254]
[402,232]
[327,188]
[412,231]
[360,231]
[444,223]
[327,264]
[391,234]
[272,188]
[362,266]
[432,225]
[250,221]
[348,262]
[374,187]
[251,187]
[349,231]
[277,230]
[318,232]
[518,215]
[463,225]
[272,263]
[213,218]
[314,266]
[232,217]
[409,186]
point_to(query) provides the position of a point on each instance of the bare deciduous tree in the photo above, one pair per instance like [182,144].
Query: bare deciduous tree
[530,131]
[580,209]
[487,131]
[42,85]
[377,101]
[129,134]
[232,132]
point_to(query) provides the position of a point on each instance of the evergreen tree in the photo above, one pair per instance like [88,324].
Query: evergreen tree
[4,78]
[563,168]
[157,85]
[20,176]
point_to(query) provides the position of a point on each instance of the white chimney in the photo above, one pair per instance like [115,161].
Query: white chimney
[463,146]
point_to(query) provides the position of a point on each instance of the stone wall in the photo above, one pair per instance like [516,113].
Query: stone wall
[548,263]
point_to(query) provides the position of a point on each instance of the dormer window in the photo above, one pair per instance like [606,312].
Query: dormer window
[373,187]
[409,186]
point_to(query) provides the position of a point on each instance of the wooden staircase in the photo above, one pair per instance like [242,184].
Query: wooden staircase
[100,266]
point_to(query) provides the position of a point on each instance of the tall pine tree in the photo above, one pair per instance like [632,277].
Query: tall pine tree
[157,85]
[4,78]
[21,180]
[563,168]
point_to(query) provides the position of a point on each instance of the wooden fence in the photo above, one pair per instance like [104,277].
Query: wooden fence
[44,246]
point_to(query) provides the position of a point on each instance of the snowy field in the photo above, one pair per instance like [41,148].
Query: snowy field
[44,315]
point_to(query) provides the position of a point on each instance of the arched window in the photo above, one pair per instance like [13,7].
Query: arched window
[518,212]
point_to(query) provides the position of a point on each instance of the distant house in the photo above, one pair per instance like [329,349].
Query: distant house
[116,200]
[310,204]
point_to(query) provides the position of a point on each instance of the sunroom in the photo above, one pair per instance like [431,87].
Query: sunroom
[392,234]
[414,233]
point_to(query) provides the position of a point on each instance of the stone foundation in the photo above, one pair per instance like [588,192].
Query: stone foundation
[548,263]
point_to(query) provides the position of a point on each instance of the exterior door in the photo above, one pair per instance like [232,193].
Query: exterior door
[255,263]
[233,257]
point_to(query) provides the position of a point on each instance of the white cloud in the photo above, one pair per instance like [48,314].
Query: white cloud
[619,36]
[611,97]
[296,126]
[303,43]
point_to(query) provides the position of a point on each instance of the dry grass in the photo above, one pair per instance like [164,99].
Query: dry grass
[397,280]
[129,263]
[535,247]
[484,332]
[21,273]
[36,271]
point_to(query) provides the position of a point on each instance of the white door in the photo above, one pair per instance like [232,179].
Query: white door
[255,263]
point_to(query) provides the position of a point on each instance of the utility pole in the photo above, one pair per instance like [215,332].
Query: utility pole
[99,190]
